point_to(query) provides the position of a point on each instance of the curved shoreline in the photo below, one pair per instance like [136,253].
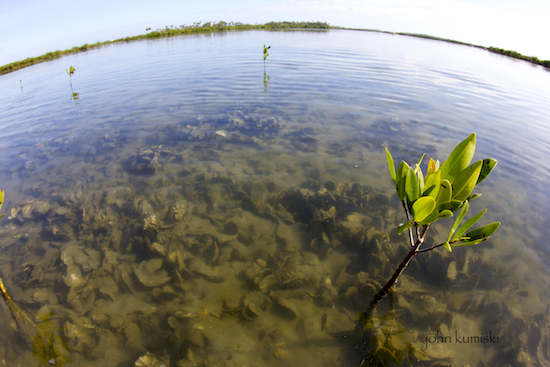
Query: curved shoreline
[208,27]
[222,26]
[500,51]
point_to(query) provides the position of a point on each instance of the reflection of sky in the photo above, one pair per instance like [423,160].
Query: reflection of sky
[33,27]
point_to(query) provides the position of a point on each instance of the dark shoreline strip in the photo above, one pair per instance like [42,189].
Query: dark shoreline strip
[500,51]
[196,28]
[222,26]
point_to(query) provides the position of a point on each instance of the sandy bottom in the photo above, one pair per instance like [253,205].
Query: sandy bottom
[211,246]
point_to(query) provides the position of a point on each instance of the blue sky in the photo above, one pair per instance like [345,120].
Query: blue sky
[34,27]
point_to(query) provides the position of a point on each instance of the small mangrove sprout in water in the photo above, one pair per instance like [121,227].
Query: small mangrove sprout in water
[444,190]
[266,77]
[265,52]
[48,347]
[70,71]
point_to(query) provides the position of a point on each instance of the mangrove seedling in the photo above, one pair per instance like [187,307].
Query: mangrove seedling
[70,71]
[266,77]
[265,52]
[444,190]
[48,347]
[74,96]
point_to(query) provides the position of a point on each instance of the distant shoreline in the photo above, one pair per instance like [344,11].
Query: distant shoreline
[500,51]
[222,26]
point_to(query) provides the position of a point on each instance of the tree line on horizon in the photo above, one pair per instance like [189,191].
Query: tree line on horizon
[222,26]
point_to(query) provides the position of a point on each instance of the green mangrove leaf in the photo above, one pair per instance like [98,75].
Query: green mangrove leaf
[436,215]
[458,219]
[61,349]
[471,242]
[422,207]
[483,232]
[411,186]
[1,201]
[472,197]
[431,185]
[487,167]
[466,181]
[447,246]
[265,51]
[401,178]
[431,167]
[428,191]
[445,192]
[420,177]
[459,159]
[452,205]
[403,227]
[469,223]
[47,345]
[420,160]
[391,166]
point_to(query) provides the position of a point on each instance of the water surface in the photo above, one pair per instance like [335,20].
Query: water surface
[200,207]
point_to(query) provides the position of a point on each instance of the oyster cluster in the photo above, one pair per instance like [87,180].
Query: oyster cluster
[183,255]
[197,274]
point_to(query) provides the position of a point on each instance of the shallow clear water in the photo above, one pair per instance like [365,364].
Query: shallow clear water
[200,206]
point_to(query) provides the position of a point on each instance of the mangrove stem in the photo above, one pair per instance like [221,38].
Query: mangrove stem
[383,292]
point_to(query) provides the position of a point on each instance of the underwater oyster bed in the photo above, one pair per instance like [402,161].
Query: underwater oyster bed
[177,251]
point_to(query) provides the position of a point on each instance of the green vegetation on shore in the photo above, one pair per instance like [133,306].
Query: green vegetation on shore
[209,27]
[516,55]
[513,54]
[171,31]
